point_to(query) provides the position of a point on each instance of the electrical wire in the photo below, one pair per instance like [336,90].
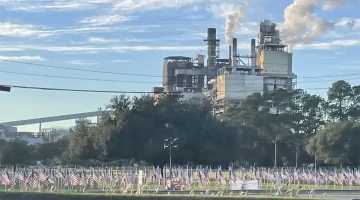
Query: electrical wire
[80,90]
[144,75]
[116,91]
[143,82]
[75,78]
[77,69]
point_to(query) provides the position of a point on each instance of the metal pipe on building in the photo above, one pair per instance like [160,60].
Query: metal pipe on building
[253,54]
[234,52]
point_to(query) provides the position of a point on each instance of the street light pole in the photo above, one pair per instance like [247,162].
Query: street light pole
[275,150]
[170,143]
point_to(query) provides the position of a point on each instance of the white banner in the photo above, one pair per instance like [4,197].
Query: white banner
[245,185]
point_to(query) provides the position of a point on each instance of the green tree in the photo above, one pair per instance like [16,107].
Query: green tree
[340,100]
[50,150]
[15,152]
[337,143]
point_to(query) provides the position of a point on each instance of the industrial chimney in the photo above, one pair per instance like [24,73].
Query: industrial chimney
[234,53]
[211,47]
[230,55]
[290,55]
[253,54]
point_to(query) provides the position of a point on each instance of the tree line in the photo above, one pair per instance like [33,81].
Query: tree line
[294,125]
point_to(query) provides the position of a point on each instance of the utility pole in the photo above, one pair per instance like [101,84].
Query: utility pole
[315,170]
[297,156]
[275,150]
[170,143]
[4,88]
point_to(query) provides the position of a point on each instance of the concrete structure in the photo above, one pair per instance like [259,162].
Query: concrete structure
[41,120]
[9,131]
[274,59]
[31,138]
[237,86]
[182,74]
[52,119]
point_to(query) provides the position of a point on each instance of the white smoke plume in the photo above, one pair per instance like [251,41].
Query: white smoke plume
[332,4]
[302,25]
[233,21]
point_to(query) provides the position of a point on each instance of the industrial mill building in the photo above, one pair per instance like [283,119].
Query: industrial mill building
[229,80]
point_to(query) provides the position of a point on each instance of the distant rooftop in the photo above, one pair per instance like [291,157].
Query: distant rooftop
[177,58]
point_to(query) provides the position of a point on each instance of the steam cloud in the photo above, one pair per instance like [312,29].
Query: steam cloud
[233,21]
[302,25]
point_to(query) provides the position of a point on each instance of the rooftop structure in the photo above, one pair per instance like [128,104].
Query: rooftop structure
[182,74]
[274,59]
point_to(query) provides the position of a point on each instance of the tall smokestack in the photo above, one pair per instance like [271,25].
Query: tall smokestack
[290,55]
[211,47]
[230,55]
[253,54]
[234,52]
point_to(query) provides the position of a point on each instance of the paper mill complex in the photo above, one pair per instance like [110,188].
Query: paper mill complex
[229,80]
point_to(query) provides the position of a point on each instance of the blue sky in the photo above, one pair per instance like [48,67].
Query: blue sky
[133,36]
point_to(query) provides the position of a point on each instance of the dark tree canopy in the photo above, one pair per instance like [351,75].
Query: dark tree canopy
[301,125]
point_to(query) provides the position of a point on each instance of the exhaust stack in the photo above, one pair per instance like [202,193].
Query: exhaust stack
[290,55]
[234,53]
[230,63]
[253,54]
[211,47]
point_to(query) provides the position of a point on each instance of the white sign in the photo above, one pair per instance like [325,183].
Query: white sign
[245,185]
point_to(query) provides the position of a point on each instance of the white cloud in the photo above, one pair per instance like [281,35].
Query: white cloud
[137,5]
[121,61]
[330,45]
[137,40]
[22,30]
[247,28]
[102,20]
[116,5]
[109,48]
[22,58]
[53,5]
[99,40]
[80,62]
[221,10]
[10,49]
[28,30]
[348,23]
[195,17]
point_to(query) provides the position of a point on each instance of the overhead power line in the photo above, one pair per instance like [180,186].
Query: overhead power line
[77,69]
[117,91]
[145,75]
[80,90]
[130,81]
[76,78]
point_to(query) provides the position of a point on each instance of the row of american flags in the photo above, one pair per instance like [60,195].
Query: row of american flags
[110,179]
